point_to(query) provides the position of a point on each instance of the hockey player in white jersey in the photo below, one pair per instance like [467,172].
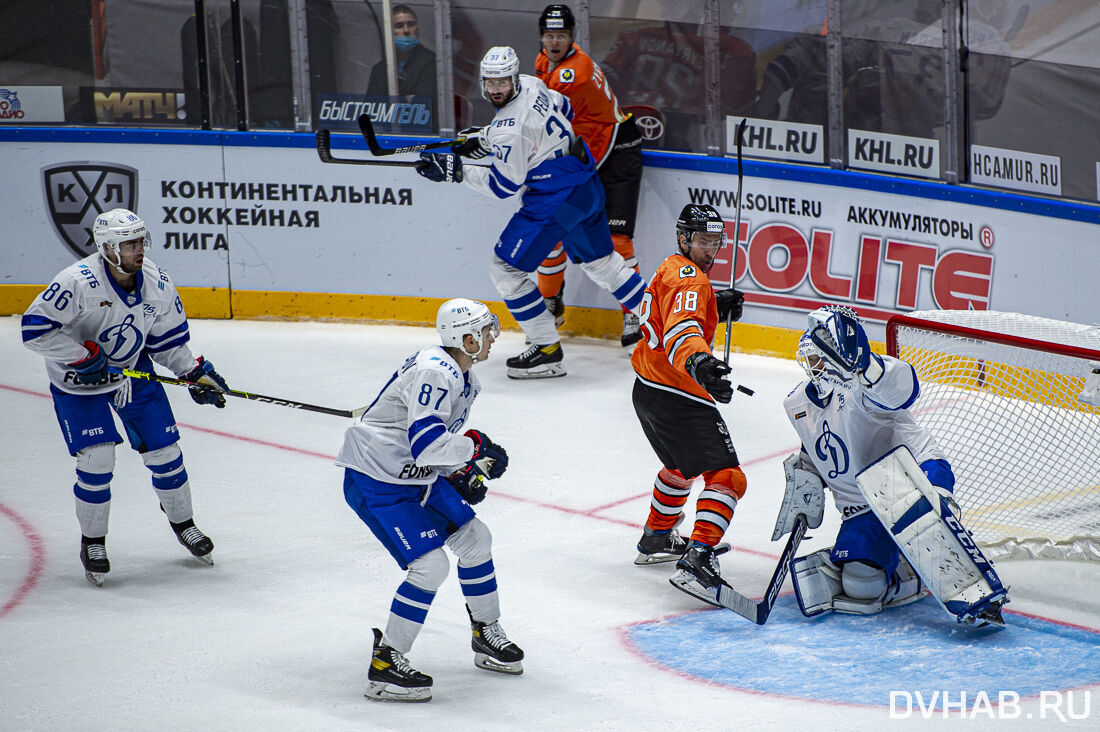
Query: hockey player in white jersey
[536,156]
[850,413]
[112,310]
[411,475]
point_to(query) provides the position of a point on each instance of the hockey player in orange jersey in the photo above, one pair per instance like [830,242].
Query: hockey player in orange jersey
[678,379]
[613,139]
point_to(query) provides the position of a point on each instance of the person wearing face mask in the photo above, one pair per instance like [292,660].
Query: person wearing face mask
[416,73]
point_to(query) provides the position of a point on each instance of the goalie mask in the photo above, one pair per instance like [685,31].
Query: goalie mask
[113,227]
[501,62]
[460,317]
[820,346]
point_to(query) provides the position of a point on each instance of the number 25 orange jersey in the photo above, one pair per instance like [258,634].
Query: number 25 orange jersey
[596,112]
[679,317]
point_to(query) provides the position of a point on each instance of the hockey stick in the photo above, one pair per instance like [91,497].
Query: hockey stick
[324,152]
[758,612]
[736,237]
[366,126]
[241,394]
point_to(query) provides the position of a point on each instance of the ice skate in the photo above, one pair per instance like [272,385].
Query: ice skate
[699,574]
[196,542]
[391,678]
[492,649]
[93,555]
[537,362]
[990,615]
[632,331]
[668,546]
[556,306]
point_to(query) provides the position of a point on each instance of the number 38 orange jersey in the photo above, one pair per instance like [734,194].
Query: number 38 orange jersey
[679,317]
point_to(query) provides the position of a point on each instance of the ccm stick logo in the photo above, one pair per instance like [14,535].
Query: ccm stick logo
[780,258]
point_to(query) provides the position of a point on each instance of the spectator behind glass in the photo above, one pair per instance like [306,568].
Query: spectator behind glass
[415,64]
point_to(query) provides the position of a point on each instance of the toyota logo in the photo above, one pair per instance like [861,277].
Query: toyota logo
[649,127]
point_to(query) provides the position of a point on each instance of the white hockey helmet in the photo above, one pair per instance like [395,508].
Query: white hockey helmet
[114,227]
[501,62]
[460,317]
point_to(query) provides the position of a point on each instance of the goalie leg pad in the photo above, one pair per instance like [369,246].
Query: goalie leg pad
[816,582]
[939,548]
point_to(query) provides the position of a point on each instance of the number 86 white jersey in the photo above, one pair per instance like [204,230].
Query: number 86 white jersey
[83,303]
[409,434]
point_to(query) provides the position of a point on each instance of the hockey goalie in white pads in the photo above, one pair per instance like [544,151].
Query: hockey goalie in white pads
[852,410]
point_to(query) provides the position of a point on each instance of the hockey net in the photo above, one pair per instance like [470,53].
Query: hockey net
[1001,393]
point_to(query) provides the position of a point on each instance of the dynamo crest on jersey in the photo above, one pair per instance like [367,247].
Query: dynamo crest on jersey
[77,192]
[565,76]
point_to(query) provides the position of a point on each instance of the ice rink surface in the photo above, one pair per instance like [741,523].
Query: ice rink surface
[277,635]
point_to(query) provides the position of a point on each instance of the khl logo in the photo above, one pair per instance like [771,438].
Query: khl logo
[77,192]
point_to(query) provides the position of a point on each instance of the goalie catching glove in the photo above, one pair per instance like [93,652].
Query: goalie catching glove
[490,459]
[805,496]
[710,374]
[440,167]
[204,374]
[474,146]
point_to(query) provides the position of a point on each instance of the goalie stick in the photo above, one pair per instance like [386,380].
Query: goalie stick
[366,126]
[758,612]
[324,152]
[241,394]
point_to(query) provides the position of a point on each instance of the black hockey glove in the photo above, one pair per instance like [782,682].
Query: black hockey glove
[92,369]
[204,374]
[489,458]
[710,373]
[474,147]
[470,484]
[730,302]
[440,167]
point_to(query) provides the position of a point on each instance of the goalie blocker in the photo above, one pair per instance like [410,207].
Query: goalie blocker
[931,537]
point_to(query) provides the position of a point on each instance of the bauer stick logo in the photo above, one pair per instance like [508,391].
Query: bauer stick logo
[77,192]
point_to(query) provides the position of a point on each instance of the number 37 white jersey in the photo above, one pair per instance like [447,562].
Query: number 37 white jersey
[409,434]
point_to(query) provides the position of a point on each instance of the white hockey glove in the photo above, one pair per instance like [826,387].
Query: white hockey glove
[805,495]
[123,393]
[474,147]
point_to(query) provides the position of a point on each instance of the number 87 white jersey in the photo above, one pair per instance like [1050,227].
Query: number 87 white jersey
[529,130]
[410,432]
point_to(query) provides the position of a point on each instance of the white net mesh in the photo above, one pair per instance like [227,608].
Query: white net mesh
[1024,448]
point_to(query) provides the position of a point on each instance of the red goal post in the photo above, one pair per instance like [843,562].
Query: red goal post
[1001,394]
